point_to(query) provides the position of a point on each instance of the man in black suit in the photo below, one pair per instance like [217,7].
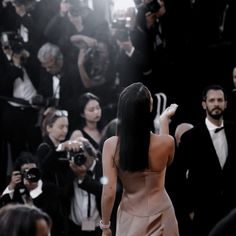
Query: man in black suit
[83,195]
[226,226]
[27,187]
[59,85]
[205,165]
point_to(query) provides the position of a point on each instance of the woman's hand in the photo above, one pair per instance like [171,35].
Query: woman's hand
[169,111]
[165,118]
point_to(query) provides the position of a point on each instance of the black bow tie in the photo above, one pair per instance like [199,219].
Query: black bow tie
[219,129]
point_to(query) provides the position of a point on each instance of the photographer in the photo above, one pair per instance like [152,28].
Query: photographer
[95,70]
[148,37]
[52,161]
[69,165]
[84,211]
[27,187]
[59,85]
[130,63]
[18,84]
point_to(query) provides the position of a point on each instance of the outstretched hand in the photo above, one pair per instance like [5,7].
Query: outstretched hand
[169,111]
[165,118]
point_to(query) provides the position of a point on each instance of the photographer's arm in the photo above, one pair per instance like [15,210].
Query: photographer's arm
[15,179]
[86,80]
[83,73]
[8,73]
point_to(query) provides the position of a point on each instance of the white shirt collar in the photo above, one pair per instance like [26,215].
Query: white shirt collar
[210,126]
[38,190]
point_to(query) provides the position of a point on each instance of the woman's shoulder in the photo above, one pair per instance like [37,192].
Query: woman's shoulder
[111,141]
[47,144]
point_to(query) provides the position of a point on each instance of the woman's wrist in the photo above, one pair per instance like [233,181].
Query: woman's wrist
[104,226]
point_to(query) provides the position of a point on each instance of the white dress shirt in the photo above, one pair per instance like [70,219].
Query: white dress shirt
[79,205]
[219,141]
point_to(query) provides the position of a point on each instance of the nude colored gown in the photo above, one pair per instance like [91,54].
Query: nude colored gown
[145,208]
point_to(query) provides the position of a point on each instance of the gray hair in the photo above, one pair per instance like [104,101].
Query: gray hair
[49,51]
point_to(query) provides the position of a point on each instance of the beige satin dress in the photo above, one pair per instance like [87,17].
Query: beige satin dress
[145,208]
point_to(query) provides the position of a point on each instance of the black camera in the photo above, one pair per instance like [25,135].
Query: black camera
[77,157]
[12,40]
[152,7]
[32,175]
[39,100]
[121,29]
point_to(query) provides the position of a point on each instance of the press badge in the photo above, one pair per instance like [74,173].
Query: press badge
[88,225]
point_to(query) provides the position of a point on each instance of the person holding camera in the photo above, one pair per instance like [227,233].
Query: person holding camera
[85,204]
[51,153]
[18,84]
[129,62]
[73,165]
[27,187]
[59,85]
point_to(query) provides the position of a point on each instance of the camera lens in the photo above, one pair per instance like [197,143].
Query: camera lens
[32,174]
[78,158]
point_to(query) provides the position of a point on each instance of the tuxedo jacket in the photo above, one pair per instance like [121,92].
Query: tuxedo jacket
[226,226]
[204,187]
[48,201]
[94,186]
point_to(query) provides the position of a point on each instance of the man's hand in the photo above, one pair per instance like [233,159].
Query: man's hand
[15,179]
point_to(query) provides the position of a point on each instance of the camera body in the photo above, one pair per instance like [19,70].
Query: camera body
[32,175]
[121,29]
[39,100]
[78,158]
[12,40]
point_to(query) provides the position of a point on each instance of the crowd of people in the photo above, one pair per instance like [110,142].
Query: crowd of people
[79,147]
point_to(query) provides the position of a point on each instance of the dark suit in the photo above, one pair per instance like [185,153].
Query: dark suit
[226,226]
[207,190]
[93,186]
[20,133]
[48,201]
[70,90]
[53,165]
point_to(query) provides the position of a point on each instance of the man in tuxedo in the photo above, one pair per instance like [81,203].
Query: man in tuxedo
[83,195]
[205,165]
[27,187]
[59,84]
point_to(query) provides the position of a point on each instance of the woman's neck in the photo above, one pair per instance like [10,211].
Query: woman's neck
[90,126]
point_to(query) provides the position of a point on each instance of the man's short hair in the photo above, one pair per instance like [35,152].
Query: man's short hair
[49,51]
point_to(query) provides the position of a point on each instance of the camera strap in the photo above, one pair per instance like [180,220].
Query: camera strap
[89,206]
[19,101]
[90,173]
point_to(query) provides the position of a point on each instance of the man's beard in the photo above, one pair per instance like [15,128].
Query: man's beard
[216,116]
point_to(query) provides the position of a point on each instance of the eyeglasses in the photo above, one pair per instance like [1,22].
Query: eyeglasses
[61,113]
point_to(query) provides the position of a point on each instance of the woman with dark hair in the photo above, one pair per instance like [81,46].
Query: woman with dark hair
[27,220]
[139,158]
[91,114]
